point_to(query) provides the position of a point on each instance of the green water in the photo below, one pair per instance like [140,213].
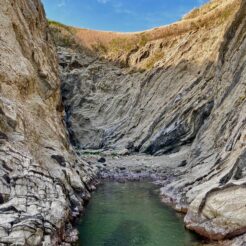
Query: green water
[131,214]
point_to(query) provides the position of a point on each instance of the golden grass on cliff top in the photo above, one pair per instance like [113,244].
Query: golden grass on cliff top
[115,44]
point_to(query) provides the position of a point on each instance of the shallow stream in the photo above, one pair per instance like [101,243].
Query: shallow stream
[131,214]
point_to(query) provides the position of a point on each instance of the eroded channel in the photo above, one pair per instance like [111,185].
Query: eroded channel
[131,214]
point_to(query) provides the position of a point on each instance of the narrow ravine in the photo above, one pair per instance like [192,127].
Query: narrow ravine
[180,95]
[166,105]
[131,214]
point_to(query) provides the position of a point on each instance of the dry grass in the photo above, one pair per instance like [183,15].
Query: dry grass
[206,8]
[209,15]
[63,35]
[114,45]
[154,59]
[89,37]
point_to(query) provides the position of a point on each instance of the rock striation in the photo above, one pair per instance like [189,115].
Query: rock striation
[154,111]
[43,183]
[183,88]
[177,91]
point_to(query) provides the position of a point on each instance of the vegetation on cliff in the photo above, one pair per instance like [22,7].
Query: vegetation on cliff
[120,47]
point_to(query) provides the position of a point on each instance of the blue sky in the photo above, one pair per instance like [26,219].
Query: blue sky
[118,15]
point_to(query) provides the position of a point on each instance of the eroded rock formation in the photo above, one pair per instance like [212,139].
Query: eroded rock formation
[156,111]
[42,182]
[192,94]
[156,92]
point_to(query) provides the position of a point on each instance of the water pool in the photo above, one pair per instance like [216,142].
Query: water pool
[131,214]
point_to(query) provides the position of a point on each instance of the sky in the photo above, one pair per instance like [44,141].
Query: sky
[118,15]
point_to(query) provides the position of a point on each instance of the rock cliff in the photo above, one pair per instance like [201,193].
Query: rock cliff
[163,90]
[154,111]
[170,89]
[43,184]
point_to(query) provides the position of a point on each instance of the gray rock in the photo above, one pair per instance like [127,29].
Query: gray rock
[36,181]
[192,97]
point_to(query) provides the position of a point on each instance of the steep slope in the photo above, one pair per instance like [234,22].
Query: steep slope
[213,183]
[144,49]
[156,111]
[183,88]
[42,182]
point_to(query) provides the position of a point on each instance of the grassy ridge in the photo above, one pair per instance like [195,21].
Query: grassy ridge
[117,46]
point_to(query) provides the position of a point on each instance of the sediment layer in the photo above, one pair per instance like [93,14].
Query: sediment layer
[43,183]
[159,92]
[181,89]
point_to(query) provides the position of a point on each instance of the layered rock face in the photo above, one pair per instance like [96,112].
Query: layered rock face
[192,94]
[42,182]
[155,111]
[213,183]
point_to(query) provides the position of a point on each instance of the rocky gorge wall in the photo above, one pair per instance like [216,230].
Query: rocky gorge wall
[181,90]
[213,181]
[154,111]
[43,184]
[181,87]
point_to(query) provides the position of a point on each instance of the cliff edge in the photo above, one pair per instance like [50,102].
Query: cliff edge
[43,184]
[159,91]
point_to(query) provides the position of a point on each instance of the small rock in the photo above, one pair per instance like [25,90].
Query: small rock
[101,160]
[60,159]
[183,163]
[3,136]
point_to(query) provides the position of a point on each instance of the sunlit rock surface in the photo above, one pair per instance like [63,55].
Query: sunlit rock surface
[192,95]
[169,89]
[42,182]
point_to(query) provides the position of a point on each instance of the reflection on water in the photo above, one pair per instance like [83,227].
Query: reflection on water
[131,214]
